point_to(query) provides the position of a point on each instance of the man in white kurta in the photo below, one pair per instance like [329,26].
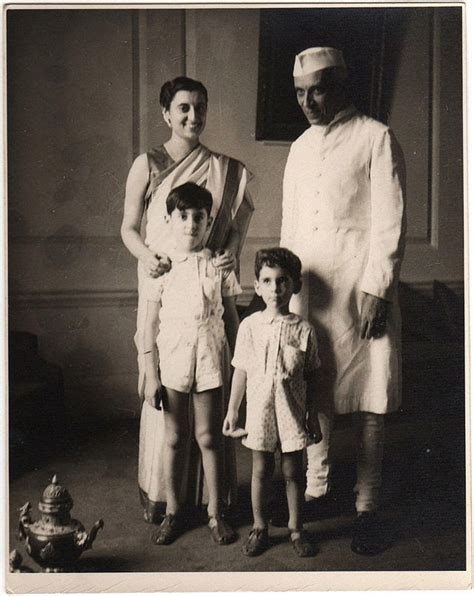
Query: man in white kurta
[343,215]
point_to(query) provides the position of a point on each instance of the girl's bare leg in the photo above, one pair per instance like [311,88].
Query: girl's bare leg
[293,474]
[176,407]
[208,418]
[263,464]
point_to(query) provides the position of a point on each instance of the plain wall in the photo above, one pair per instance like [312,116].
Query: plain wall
[83,91]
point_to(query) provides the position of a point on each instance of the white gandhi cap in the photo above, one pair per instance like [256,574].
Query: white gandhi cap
[314,59]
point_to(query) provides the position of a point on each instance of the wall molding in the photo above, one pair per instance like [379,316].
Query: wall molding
[62,299]
[105,298]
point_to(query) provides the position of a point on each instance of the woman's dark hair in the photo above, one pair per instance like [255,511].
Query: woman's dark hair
[189,196]
[170,88]
[279,257]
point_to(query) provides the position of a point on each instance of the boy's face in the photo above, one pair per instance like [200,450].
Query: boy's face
[189,227]
[276,287]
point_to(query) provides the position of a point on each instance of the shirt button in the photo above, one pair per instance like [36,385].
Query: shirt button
[315,229]
[316,211]
[197,317]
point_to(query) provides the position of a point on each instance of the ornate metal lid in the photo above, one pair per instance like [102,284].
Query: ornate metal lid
[55,498]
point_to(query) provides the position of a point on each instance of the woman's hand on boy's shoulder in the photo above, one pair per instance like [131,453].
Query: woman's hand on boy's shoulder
[156,265]
[225,259]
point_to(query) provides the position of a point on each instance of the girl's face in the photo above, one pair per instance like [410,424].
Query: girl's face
[187,115]
[276,287]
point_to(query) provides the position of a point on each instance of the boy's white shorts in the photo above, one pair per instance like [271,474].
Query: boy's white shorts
[191,356]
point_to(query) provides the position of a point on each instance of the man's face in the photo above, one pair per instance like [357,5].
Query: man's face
[319,95]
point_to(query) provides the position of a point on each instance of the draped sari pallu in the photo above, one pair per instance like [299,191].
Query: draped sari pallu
[226,179]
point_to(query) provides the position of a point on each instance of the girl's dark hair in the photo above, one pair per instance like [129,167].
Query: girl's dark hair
[278,257]
[189,196]
[170,88]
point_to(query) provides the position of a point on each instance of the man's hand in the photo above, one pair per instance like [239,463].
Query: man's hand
[225,259]
[313,429]
[373,316]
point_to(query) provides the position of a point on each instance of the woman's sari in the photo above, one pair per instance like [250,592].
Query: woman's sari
[226,179]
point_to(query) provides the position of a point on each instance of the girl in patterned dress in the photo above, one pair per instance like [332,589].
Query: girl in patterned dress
[275,360]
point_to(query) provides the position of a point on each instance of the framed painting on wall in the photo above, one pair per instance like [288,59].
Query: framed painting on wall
[359,33]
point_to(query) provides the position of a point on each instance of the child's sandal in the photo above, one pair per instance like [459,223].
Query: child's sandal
[257,542]
[221,531]
[168,530]
[301,543]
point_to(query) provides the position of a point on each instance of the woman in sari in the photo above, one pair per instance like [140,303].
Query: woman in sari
[152,176]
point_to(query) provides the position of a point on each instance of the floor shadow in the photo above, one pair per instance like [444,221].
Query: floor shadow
[96,564]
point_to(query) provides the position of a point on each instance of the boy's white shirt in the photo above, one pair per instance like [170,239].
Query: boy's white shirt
[185,285]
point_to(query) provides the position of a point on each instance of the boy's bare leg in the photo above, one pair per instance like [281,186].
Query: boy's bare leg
[263,464]
[208,418]
[293,474]
[176,408]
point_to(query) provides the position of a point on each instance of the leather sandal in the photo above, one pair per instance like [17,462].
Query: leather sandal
[257,542]
[168,530]
[221,532]
[301,543]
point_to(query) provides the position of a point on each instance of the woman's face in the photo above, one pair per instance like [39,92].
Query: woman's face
[187,114]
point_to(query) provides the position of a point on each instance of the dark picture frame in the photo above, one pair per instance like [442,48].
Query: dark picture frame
[359,33]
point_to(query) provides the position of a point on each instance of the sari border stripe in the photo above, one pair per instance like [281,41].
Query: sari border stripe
[224,215]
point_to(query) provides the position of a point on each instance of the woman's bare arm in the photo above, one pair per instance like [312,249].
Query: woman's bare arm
[135,190]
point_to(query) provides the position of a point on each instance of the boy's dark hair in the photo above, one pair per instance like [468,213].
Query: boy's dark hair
[279,257]
[189,196]
[170,88]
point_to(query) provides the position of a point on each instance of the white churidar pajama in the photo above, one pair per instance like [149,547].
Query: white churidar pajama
[343,215]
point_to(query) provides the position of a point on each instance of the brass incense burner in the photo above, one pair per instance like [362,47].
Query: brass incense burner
[56,540]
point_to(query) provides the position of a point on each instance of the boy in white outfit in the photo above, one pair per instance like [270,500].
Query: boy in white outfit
[275,360]
[194,308]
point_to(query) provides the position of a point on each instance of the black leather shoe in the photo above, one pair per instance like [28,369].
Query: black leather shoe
[367,535]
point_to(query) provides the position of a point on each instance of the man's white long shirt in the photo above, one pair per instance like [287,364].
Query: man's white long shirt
[343,215]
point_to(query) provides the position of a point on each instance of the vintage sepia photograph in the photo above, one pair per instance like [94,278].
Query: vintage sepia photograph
[297,402]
